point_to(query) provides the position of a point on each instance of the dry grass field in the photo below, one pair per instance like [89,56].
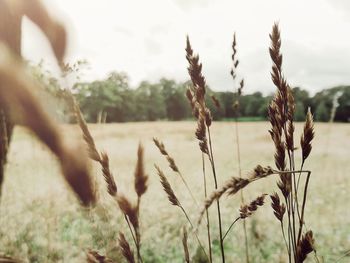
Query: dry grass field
[41,220]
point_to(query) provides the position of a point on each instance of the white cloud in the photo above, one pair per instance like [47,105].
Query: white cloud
[147,39]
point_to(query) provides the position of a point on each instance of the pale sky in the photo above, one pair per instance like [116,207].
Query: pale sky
[146,39]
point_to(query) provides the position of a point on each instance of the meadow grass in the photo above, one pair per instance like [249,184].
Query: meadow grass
[40,219]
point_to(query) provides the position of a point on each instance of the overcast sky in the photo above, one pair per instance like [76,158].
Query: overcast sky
[146,39]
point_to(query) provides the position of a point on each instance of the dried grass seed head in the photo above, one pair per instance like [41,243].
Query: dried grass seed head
[305,246]
[307,136]
[128,209]
[167,187]
[279,208]
[141,178]
[108,176]
[128,254]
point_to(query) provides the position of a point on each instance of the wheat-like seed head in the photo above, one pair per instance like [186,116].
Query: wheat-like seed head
[128,209]
[108,176]
[94,257]
[160,146]
[234,185]
[171,161]
[93,153]
[126,249]
[305,246]
[307,135]
[279,208]
[141,177]
[290,119]
[195,72]
[234,60]
[248,209]
[215,101]
[167,187]
[102,157]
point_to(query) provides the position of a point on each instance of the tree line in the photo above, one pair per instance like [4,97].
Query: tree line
[114,100]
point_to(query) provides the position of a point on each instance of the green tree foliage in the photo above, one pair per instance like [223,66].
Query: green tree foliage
[299,114]
[113,100]
[322,112]
[176,104]
[323,101]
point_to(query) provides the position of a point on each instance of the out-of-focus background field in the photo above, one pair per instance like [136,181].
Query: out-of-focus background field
[41,221]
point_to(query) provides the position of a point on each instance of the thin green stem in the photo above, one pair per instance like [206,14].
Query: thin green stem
[206,210]
[217,201]
[137,232]
[196,235]
[289,230]
[284,237]
[301,223]
[132,233]
[188,188]
[229,229]
[241,191]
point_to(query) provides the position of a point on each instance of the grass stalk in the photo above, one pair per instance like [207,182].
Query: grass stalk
[229,229]
[206,210]
[194,232]
[217,201]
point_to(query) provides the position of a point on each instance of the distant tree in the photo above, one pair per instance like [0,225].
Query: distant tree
[226,99]
[115,100]
[343,110]
[111,97]
[326,98]
[322,112]
[299,114]
[251,104]
[176,103]
[150,102]
[302,97]
[217,113]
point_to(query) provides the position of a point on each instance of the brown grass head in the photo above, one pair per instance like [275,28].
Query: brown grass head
[235,61]
[128,209]
[279,208]
[128,254]
[94,154]
[305,246]
[201,135]
[307,135]
[216,102]
[89,140]
[280,100]
[275,47]
[248,209]
[167,187]
[285,184]
[233,186]
[195,72]
[276,136]
[141,178]
[240,88]
[290,120]
[161,147]
[192,101]
[94,257]
[107,174]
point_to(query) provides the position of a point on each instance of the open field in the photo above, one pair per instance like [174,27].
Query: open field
[41,221]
